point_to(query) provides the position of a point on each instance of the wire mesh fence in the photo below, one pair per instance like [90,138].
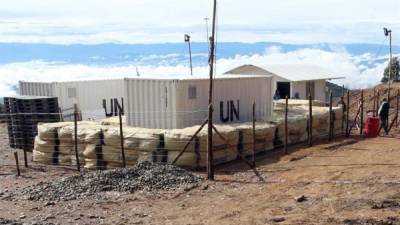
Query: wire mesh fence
[109,143]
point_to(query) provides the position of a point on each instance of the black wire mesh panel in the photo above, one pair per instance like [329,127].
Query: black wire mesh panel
[23,115]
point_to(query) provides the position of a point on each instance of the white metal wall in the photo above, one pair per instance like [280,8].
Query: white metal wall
[90,95]
[36,88]
[242,92]
[320,90]
[301,86]
[165,103]
[150,103]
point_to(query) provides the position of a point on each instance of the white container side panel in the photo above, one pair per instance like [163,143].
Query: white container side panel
[150,103]
[232,100]
[90,97]
[191,110]
[320,90]
[36,88]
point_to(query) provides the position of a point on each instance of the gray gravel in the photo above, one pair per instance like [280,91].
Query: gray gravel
[13,222]
[145,176]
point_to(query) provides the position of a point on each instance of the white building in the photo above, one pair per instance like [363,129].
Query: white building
[292,80]
[166,103]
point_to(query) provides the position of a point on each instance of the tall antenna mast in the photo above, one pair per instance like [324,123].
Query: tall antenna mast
[210,157]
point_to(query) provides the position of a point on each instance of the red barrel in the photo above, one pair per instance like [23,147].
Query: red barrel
[372,127]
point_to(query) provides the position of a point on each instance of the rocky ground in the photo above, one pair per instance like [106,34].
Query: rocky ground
[145,176]
[346,182]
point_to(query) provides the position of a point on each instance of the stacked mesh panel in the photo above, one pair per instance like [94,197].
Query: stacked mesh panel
[23,115]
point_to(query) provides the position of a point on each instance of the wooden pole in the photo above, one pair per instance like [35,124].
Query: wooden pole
[17,163]
[78,166]
[343,90]
[343,110]
[355,119]
[374,102]
[188,143]
[230,146]
[254,135]
[347,113]
[25,158]
[390,72]
[310,120]
[397,108]
[330,118]
[362,113]
[286,123]
[377,103]
[210,157]
[392,123]
[121,134]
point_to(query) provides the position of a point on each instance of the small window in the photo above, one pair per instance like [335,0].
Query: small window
[71,92]
[192,92]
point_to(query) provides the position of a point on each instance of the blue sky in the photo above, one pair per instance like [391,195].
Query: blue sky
[158,21]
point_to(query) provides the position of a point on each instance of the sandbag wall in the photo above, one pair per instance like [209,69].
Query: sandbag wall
[99,143]
[298,115]
[99,146]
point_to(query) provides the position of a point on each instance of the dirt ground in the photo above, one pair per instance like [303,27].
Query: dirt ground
[356,183]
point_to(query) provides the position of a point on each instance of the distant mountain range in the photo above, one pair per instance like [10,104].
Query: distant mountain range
[162,54]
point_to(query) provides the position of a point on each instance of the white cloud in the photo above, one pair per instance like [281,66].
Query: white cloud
[155,21]
[341,63]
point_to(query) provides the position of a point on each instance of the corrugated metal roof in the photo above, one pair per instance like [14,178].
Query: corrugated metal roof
[291,72]
[171,77]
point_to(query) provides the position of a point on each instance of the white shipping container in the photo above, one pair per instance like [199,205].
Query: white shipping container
[178,103]
[96,99]
[36,88]
[166,103]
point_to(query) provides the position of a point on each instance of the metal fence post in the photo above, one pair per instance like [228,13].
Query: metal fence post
[310,120]
[397,108]
[362,113]
[330,118]
[25,158]
[254,135]
[374,102]
[76,136]
[347,113]
[210,156]
[286,123]
[121,133]
[17,163]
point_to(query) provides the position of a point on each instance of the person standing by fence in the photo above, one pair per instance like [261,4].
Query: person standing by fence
[383,113]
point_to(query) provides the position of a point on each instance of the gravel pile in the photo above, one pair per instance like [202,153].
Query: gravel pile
[145,176]
[8,222]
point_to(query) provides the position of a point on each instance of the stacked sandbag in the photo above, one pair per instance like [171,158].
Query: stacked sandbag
[297,128]
[264,136]
[47,147]
[176,140]
[279,105]
[112,121]
[89,138]
[225,149]
[320,123]
[148,144]
[338,112]
[140,144]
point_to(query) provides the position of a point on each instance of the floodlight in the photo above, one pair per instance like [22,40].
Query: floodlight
[187,38]
[386,31]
